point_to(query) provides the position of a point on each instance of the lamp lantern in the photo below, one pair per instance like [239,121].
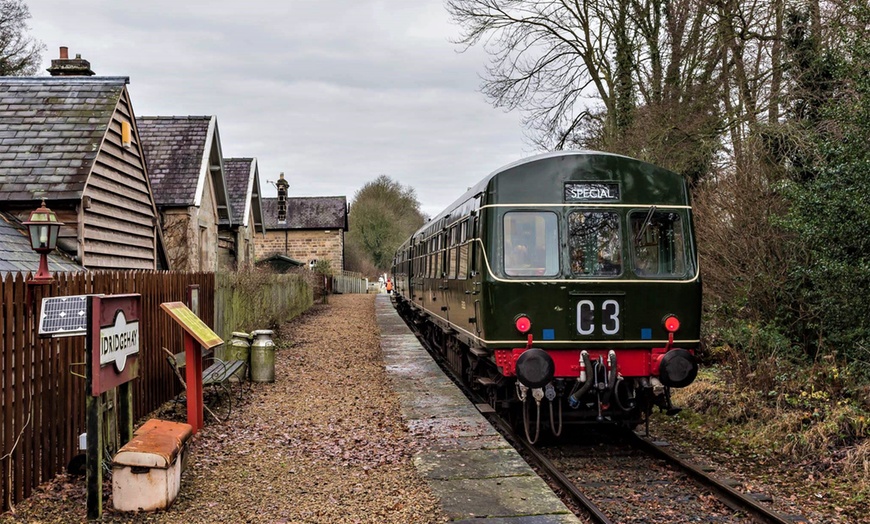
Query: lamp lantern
[43,228]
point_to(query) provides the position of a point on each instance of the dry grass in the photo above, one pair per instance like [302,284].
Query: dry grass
[798,426]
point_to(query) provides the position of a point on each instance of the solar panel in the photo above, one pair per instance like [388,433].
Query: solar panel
[64,316]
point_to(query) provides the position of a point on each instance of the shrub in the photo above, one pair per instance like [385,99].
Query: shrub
[254,299]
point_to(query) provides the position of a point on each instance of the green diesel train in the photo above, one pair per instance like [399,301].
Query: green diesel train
[565,287]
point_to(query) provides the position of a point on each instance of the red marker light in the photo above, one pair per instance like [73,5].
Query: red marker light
[523,324]
[672,324]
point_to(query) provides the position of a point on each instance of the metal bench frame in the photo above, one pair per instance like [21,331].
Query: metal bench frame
[217,389]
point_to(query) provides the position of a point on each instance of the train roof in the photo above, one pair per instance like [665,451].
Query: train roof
[658,186]
[660,174]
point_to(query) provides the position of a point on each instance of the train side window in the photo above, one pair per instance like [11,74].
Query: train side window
[463,261]
[531,243]
[659,244]
[594,243]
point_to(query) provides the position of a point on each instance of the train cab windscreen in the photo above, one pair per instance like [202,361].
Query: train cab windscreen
[594,243]
[659,244]
[531,243]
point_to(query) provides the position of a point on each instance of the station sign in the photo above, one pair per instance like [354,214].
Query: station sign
[113,340]
[118,342]
[591,192]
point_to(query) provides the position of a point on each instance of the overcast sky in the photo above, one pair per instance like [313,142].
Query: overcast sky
[331,92]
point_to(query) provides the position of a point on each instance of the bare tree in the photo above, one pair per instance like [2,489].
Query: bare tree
[549,58]
[600,74]
[20,54]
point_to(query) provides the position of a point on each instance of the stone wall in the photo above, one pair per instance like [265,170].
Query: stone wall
[191,235]
[303,246]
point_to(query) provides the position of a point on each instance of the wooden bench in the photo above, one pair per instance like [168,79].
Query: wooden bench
[216,380]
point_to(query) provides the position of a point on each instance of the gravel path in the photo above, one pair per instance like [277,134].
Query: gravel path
[324,444]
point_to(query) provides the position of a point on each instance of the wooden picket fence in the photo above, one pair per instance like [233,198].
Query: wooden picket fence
[349,282]
[43,395]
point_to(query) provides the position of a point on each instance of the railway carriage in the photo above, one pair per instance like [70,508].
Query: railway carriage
[565,287]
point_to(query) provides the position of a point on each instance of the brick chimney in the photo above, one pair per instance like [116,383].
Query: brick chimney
[65,66]
[282,186]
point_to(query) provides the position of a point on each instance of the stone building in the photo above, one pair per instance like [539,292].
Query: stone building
[312,229]
[243,186]
[185,165]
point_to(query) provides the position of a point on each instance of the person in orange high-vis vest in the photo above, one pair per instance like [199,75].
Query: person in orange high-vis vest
[389,286]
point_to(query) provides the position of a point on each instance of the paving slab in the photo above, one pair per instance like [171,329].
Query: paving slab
[473,464]
[417,411]
[474,426]
[528,519]
[497,497]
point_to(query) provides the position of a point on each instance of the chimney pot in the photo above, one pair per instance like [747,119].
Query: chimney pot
[78,56]
[64,52]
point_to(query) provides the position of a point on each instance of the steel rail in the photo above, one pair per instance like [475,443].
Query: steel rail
[730,496]
[553,472]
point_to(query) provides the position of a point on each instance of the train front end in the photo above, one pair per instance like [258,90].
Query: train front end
[592,289]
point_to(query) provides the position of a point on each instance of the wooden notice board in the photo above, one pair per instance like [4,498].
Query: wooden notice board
[196,336]
[192,324]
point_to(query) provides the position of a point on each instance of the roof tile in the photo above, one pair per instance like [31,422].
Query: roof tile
[237,172]
[174,147]
[308,213]
[66,117]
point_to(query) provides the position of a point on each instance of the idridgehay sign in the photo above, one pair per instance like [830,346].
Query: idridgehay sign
[113,341]
[118,342]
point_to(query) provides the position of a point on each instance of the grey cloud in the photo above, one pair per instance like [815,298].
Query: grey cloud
[333,93]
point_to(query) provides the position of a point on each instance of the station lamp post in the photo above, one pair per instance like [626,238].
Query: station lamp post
[43,228]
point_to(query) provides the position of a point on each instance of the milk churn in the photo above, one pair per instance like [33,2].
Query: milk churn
[239,348]
[262,356]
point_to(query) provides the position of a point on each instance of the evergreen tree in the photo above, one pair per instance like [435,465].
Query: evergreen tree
[382,216]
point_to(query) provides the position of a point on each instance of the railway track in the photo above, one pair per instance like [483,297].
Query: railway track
[625,478]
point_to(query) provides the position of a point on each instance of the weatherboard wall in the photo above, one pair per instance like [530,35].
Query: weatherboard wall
[117,214]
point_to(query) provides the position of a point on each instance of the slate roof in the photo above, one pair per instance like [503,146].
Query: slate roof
[279,262]
[174,153]
[243,188]
[50,133]
[308,213]
[17,254]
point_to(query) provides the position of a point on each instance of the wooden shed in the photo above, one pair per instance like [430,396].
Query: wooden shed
[74,142]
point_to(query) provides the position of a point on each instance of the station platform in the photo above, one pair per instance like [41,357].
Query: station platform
[478,477]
